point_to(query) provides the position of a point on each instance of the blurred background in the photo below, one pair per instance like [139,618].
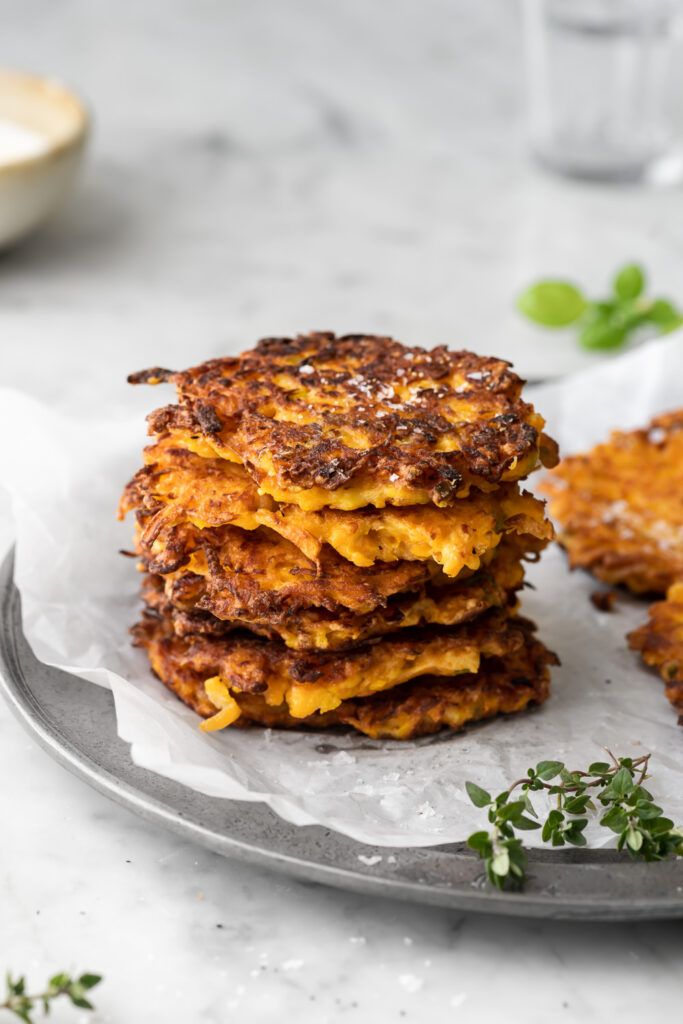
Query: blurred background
[262,167]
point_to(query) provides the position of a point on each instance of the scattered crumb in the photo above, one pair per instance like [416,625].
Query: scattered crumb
[343,757]
[369,861]
[603,600]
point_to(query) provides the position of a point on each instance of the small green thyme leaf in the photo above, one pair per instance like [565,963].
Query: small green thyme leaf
[479,841]
[547,770]
[500,864]
[478,796]
[89,980]
[21,1005]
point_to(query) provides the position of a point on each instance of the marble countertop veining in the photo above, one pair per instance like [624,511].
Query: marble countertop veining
[262,167]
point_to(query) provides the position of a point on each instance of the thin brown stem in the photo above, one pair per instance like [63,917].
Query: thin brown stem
[612,758]
[600,781]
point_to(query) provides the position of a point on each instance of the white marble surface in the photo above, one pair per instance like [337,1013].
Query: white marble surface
[266,167]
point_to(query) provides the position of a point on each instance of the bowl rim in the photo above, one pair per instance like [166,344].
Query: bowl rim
[73,141]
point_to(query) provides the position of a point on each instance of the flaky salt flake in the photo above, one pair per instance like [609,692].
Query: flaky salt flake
[343,757]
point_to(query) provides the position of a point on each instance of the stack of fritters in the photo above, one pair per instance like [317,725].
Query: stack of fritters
[333,533]
[620,510]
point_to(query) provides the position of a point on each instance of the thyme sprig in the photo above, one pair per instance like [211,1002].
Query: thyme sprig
[614,790]
[20,1003]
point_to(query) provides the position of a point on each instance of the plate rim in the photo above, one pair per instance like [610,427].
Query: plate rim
[460,886]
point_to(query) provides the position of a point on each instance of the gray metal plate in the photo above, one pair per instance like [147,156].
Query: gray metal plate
[74,722]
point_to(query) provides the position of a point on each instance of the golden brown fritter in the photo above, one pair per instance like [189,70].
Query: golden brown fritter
[620,506]
[660,642]
[218,605]
[427,705]
[413,709]
[318,681]
[266,573]
[176,489]
[358,420]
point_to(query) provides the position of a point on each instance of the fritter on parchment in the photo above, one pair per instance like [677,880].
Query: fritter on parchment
[318,681]
[264,571]
[333,532]
[177,488]
[357,420]
[416,708]
[620,506]
[660,642]
[220,603]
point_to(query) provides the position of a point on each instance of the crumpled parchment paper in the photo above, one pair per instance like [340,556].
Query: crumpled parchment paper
[79,597]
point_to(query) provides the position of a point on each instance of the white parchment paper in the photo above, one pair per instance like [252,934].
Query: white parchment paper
[79,597]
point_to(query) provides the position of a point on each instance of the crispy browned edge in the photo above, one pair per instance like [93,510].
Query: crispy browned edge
[643,570]
[223,398]
[659,646]
[502,685]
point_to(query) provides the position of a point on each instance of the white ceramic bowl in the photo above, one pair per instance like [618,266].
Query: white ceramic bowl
[31,187]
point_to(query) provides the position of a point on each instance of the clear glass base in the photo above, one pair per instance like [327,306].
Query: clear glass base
[662,170]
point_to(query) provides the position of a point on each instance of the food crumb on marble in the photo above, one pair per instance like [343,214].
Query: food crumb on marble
[369,861]
[292,965]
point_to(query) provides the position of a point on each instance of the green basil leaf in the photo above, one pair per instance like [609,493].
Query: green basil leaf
[629,282]
[601,334]
[552,303]
[664,315]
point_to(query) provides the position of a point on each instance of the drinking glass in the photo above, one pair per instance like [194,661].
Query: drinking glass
[599,85]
